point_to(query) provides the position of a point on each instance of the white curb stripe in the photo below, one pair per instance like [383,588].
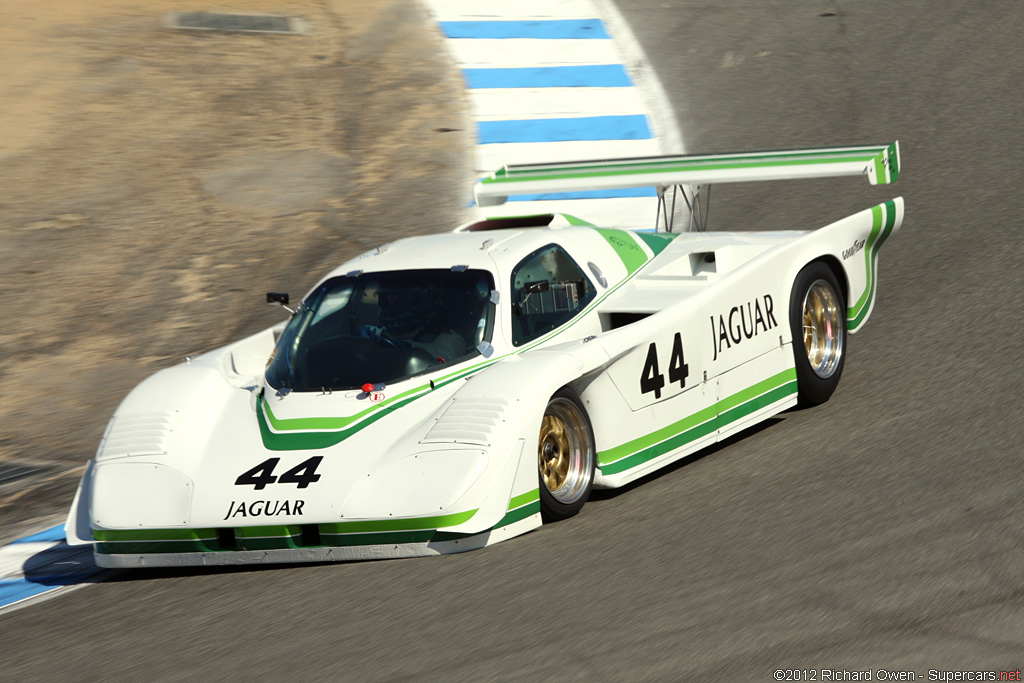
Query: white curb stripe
[456,10]
[510,52]
[497,155]
[611,211]
[496,104]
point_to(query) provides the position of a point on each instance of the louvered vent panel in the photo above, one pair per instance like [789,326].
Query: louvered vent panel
[137,434]
[469,422]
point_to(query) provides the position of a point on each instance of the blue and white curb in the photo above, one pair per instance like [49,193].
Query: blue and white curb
[43,563]
[558,81]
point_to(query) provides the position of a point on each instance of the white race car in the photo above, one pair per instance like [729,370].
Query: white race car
[443,393]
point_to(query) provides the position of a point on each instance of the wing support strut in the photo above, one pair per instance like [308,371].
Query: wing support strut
[664,219]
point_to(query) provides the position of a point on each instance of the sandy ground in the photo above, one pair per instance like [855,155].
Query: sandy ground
[155,183]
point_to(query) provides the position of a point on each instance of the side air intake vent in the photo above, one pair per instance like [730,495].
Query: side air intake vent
[470,422]
[137,434]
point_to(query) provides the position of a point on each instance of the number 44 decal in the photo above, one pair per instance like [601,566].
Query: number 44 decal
[651,378]
[302,474]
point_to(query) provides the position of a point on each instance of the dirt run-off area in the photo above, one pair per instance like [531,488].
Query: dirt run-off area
[156,183]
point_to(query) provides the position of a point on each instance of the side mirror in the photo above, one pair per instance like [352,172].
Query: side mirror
[277,298]
[280,298]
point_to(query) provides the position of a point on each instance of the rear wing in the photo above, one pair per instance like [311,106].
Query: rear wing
[880,163]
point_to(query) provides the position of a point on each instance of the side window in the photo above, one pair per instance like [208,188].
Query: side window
[548,290]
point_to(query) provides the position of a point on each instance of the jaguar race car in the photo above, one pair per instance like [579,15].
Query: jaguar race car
[442,393]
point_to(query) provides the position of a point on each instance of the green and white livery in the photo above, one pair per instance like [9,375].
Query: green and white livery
[442,393]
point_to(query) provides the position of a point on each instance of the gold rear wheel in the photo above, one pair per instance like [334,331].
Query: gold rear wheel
[823,323]
[817,317]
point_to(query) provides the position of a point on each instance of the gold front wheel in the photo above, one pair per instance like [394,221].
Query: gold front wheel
[566,456]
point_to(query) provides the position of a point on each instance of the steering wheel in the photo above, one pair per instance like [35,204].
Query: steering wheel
[387,340]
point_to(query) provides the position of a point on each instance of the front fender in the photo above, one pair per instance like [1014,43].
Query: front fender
[504,406]
[524,383]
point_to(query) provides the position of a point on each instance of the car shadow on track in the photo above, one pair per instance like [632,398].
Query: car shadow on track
[62,565]
[160,573]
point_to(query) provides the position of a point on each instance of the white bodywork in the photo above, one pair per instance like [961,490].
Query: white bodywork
[447,461]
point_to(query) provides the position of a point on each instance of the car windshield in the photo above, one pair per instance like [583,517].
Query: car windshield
[382,327]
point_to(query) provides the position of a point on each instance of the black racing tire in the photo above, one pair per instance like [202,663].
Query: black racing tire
[566,455]
[817,319]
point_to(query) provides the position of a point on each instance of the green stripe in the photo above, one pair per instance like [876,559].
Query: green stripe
[269,543]
[647,454]
[281,537]
[573,220]
[657,241]
[143,541]
[894,163]
[626,247]
[880,232]
[700,424]
[383,538]
[322,423]
[337,423]
[616,454]
[276,543]
[286,537]
[876,225]
[727,417]
[268,531]
[312,440]
[524,498]
[519,514]
[761,387]
[117,535]
[887,166]
[417,523]
[880,178]
[613,454]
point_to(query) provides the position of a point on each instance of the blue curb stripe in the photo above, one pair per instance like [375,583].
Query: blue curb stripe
[51,535]
[629,127]
[16,590]
[620,193]
[587,76]
[554,29]
[588,194]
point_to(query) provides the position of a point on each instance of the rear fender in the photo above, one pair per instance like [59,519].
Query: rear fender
[853,243]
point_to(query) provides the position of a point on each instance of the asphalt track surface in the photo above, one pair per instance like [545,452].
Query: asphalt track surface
[882,530]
